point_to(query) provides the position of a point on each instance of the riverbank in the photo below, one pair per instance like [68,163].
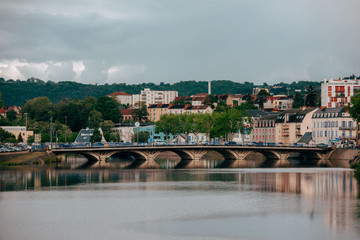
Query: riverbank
[25,158]
[355,164]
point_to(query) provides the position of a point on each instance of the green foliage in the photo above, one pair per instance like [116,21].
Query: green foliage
[311,98]
[355,109]
[210,100]
[142,136]
[298,100]
[39,109]
[245,106]
[221,107]
[168,124]
[109,108]
[261,97]
[19,138]
[17,92]
[11,115]
[140,113]
[6,136]
[1,101]
[96,137]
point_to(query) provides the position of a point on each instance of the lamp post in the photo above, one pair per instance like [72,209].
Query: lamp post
[153,142]
[179,129]
[89,131]
[26,127]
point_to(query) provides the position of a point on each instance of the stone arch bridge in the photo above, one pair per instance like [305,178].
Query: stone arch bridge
[235,156]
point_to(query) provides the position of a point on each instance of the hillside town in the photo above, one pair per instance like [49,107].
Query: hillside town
[271,119]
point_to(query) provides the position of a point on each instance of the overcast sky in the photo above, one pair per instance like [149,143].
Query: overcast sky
[134,41]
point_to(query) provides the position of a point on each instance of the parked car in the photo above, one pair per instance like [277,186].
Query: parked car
[230,143]
[322,145]
[205,143]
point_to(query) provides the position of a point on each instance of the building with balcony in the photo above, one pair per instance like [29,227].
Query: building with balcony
[292,124]
[148,97]
[334,126]
[338,92]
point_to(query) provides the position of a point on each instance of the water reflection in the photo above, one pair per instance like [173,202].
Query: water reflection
[340,183]
[325,200]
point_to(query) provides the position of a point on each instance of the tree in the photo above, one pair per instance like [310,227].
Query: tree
[142,136]
[261,97]
[210,100]
[221,107]
[140,113]
[109,108]
[19,138]
[1,101]
[355,109]
[96,137]
[5,136]
[298,100]
[11,115]
[311,97]
[39,109]
[168,124]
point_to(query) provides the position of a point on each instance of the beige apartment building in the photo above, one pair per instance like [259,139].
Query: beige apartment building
[292,124]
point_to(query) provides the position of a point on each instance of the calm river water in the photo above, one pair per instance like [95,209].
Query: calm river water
[306,203]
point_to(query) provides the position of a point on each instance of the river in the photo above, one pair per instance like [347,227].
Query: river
[113,203]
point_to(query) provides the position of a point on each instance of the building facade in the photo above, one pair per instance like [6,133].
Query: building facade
[148,97]
[264,129]
[122,97]
[292,124]
[338,92]
[334,126]
[19,130]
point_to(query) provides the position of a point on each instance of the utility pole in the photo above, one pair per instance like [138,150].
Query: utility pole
[65,128]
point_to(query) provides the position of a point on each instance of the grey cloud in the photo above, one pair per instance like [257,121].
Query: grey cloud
[169,41]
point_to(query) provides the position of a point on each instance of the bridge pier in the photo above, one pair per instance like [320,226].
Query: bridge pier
[235,159]
[145,159]
[191,159]
[324,159]
[283,159]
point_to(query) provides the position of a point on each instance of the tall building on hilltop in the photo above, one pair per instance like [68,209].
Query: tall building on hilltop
[338,92]
[148,97]
[122,97]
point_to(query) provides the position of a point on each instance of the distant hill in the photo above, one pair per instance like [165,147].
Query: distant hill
[17,92]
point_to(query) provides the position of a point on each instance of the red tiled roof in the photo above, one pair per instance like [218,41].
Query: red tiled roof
[119,93]
[126,111]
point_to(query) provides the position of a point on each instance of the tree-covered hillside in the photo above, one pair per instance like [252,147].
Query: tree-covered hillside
[17,92]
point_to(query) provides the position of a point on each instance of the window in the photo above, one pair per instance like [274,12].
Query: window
[314,125]
[317,124]
[325,133]
[336,123]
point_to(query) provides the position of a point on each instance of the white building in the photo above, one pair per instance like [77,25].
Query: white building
[122,97]
[148,97]
[333,125]
[19,130]
[338,92]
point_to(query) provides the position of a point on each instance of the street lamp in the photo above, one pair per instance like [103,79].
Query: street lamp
[89,131]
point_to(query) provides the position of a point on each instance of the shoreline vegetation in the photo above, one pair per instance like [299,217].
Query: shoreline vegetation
[27,159]
[355,164]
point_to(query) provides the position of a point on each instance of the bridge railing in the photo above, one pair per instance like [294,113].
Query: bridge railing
[128,144]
